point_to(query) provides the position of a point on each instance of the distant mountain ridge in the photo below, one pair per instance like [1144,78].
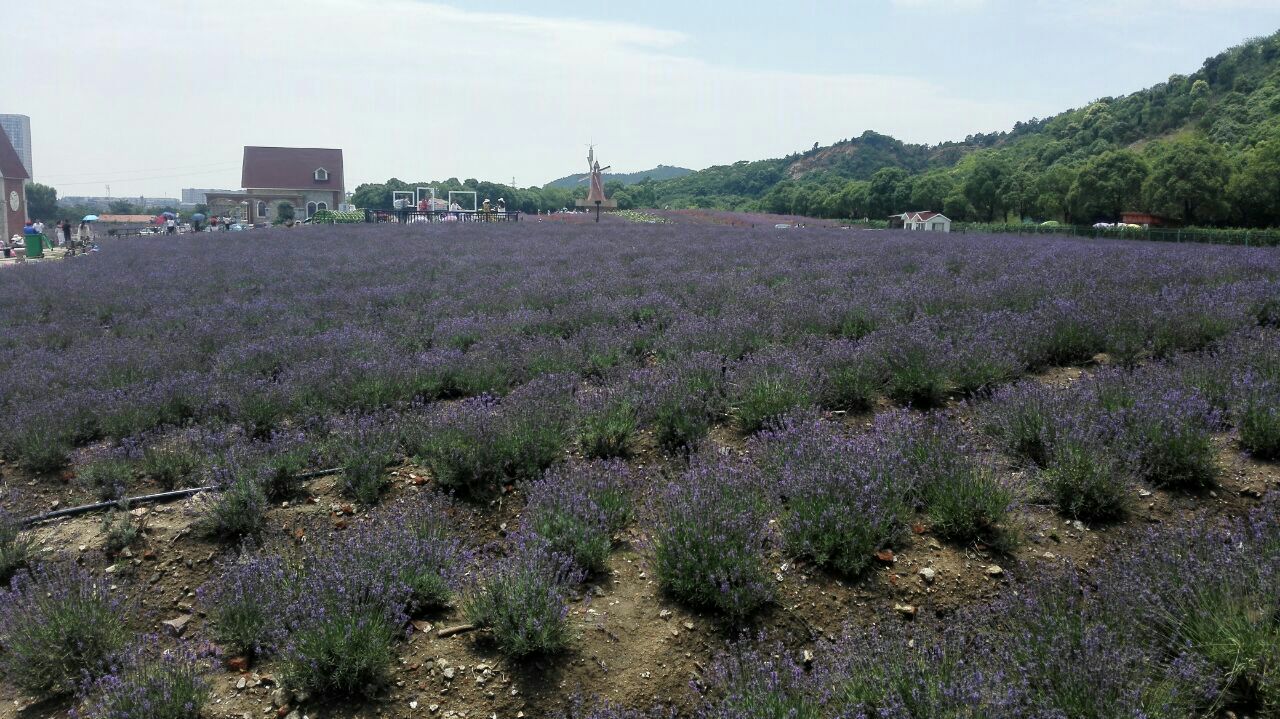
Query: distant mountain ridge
[659,173]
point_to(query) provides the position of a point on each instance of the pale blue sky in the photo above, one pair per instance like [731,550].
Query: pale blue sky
[154,95]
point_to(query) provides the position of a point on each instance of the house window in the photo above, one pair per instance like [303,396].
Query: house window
[322,206]
[262,209]
[322,175]
[311,209]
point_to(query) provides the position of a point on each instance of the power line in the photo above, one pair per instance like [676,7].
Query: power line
[130,179]
[203,166]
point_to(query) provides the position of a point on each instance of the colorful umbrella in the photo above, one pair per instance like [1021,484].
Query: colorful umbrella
[90,218]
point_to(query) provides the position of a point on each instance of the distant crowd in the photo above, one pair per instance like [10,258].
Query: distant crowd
[35,238]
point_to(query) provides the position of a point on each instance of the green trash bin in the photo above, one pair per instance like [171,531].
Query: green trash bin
[36,245]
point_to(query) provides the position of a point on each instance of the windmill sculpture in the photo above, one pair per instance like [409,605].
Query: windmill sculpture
[595,196]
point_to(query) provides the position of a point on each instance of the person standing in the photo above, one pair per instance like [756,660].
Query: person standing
[39,227]
[170,225]
[66,233]
[85,235]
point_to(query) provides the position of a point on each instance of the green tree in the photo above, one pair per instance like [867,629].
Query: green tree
[1052,188]
[931,190]
[1108,185]
[888,192]
[42,201]
[1188,179]
[985,183]
[1254,190]
[122,207]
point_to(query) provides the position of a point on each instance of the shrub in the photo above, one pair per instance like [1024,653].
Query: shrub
[17,548]
[851,384]
[150,683]
[915,360]
[605,432]
[1209,595]
[364,458]
[1024,419]
[710,539]
[110,477]
[1267,312]
[284,458]
[122,531]
[845,497]
[523,600]
[967,502]
[763,400]
[1086,481]
[1170,438]
[339,649]
[578,509]
[1259,421]
[754,681]
[685,402]
[1064,336]
[169,462]
[769,384]
[39,446]
[58,624]
[409,549]
[964,499]
[235,509]
[248,604]
[475,445]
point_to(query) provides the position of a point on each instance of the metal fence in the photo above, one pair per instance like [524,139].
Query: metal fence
[415,216]
[1245,238]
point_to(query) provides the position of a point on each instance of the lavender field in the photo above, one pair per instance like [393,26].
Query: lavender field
[630,471]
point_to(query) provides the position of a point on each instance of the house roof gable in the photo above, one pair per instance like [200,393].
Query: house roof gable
[279,168]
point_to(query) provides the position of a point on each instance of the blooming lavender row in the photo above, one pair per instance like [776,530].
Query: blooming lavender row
[1153,424]
[177,334]
[334,612]
[1185,627]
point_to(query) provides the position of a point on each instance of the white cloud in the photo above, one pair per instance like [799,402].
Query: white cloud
[420,90]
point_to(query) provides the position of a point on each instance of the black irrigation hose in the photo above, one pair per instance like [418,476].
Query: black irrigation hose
[145,499]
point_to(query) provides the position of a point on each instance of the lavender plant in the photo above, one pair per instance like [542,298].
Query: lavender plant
[58,623]
[1258,418]
[1170,438]
[523,599]
[711,534]
[109,476]
[607,425]
[768,385]
[170,462]
[1086,480]
[577,509]
[147,682]
[248,605]
[846,497]
[964,498]
[17,549]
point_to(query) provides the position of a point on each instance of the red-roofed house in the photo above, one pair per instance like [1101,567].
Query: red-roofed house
[927,221]
[307,178]
[13,182]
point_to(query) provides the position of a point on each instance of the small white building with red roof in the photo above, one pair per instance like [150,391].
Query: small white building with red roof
[924,220]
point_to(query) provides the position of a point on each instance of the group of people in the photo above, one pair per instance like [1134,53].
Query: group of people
[34,232]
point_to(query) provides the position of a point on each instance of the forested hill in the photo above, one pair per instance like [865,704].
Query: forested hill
[661,172]
[1201,149]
